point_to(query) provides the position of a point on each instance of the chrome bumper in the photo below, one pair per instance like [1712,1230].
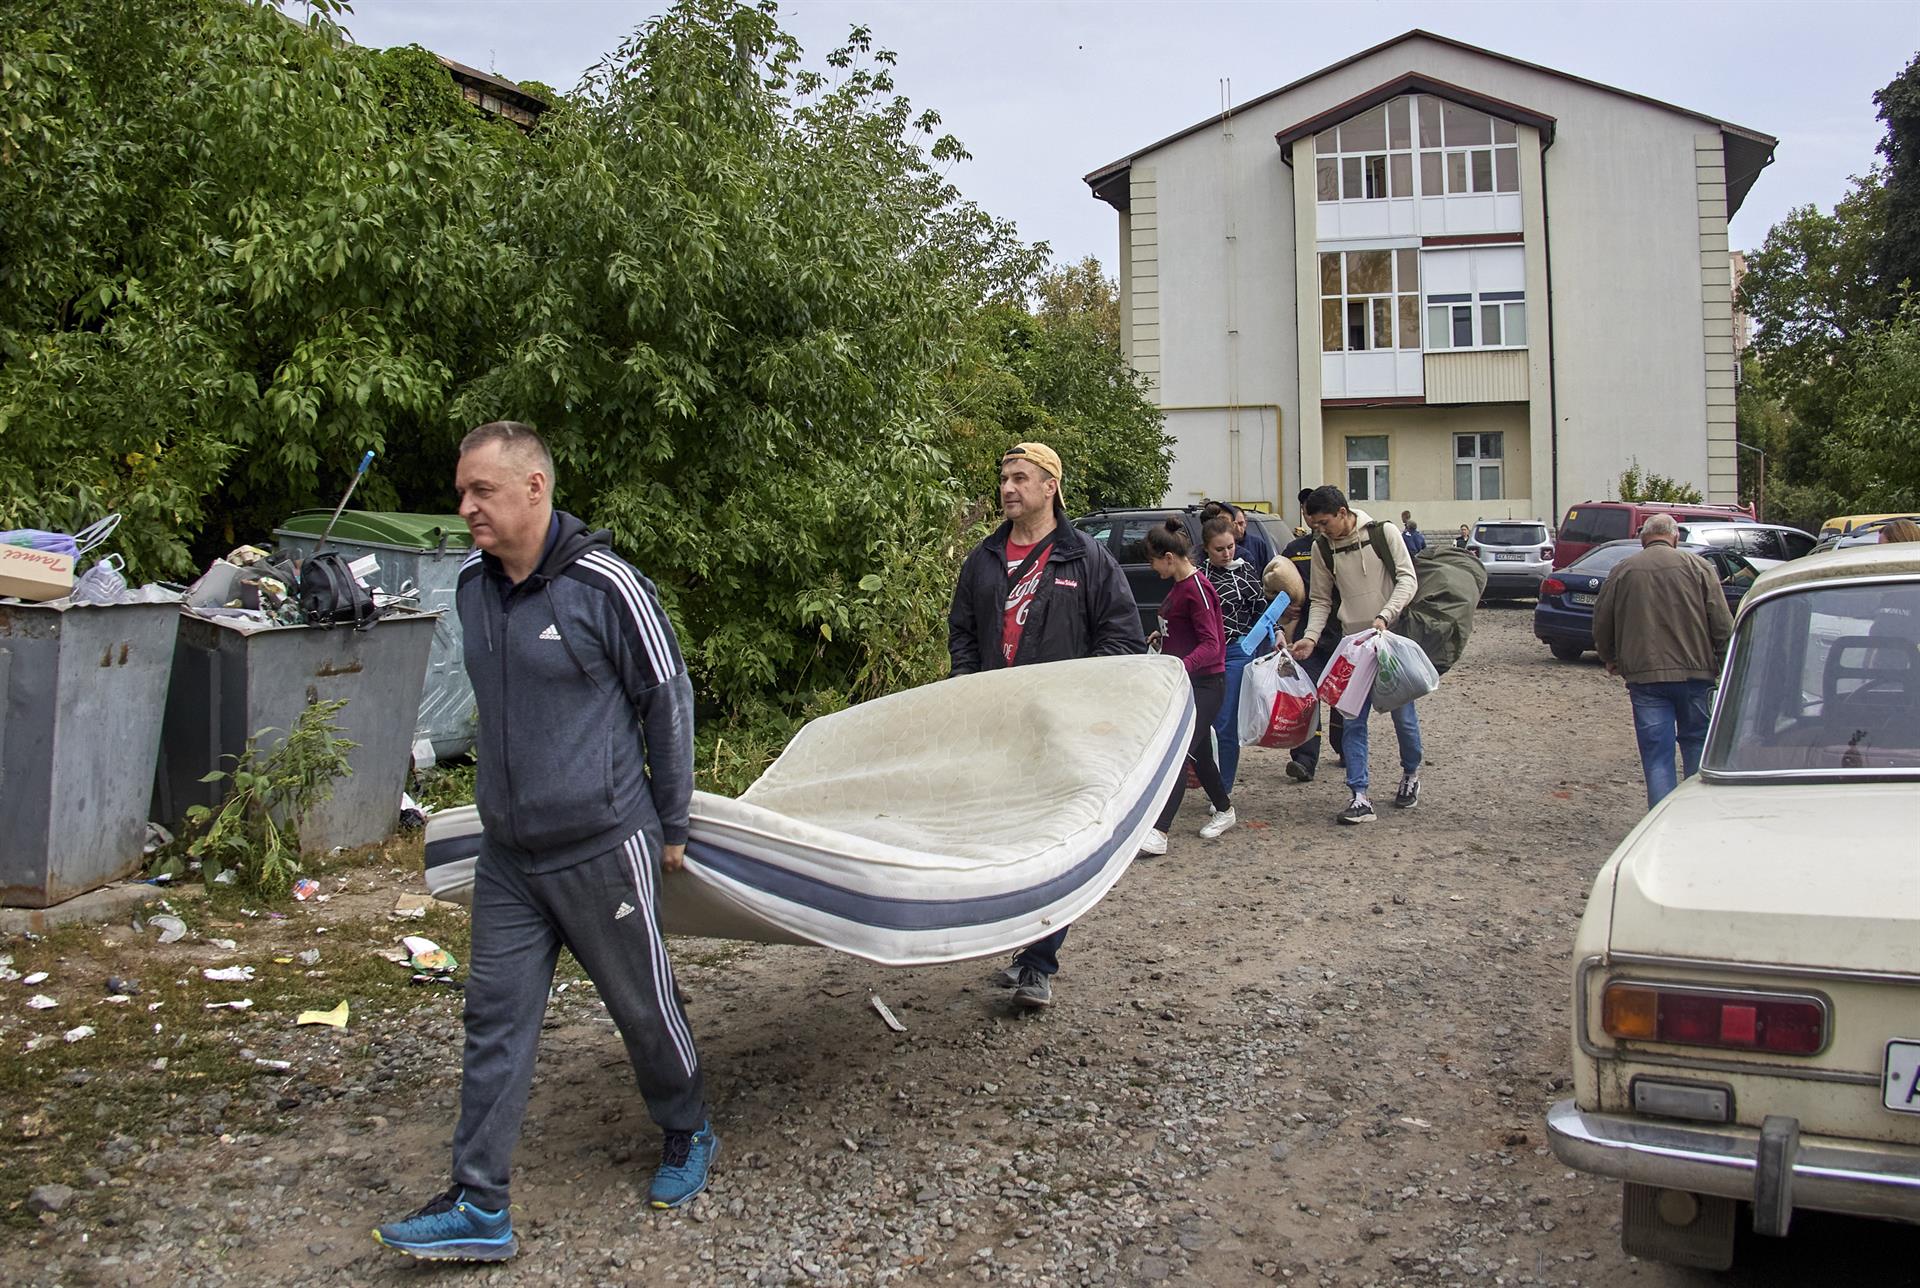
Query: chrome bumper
[1830,1174]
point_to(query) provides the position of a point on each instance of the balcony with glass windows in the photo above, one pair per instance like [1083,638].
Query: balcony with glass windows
[1418,165]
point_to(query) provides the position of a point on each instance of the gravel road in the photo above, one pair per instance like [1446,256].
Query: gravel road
[1302,1054]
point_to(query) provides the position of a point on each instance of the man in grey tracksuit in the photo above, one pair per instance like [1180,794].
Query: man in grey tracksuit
[585,748]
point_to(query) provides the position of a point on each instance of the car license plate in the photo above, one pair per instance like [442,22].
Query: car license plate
[1515,557]
[1901,1091]
[1588,600]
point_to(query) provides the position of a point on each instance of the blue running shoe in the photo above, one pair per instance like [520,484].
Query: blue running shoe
[451,1229]
[685,1161]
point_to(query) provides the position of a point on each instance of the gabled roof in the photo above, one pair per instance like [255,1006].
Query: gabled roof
[1414,83]
[1748,151]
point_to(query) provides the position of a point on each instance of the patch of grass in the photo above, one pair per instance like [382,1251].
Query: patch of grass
[61,1102]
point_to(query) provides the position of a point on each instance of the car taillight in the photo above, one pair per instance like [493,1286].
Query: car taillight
[1784,1024]
[1474,551]
[1546,552]
[1553,586]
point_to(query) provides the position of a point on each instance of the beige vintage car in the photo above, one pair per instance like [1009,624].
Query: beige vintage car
[1746,989]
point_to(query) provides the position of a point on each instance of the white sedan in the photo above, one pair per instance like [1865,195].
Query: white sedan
[1747,975]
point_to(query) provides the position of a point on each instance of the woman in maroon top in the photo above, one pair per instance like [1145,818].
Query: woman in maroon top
[1191,630]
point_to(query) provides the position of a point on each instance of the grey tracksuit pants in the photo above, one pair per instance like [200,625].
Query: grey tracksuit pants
[604,912]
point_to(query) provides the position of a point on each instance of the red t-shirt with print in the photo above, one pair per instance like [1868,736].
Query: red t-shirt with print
[1019,597]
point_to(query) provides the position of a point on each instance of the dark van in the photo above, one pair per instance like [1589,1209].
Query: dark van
[1593,523]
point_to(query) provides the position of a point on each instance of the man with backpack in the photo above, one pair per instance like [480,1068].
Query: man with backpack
[1365,561]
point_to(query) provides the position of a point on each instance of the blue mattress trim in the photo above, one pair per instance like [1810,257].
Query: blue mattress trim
[887,912]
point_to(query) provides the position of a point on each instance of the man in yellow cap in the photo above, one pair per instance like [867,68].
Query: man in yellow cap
[1038,590]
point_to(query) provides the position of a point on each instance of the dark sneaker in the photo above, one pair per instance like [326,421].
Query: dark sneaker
[685,1160]
[1036,989]
[1409,794]
[1360,811]
[1298,772]
[1008,978]
[451,1229]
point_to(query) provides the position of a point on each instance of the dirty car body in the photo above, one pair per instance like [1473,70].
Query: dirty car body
[1747,974]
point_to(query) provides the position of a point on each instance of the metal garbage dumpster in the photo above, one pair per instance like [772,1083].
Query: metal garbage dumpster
[426,550]
[82,688]
[232,679]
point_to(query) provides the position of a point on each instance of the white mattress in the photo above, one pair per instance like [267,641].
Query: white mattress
[962,819]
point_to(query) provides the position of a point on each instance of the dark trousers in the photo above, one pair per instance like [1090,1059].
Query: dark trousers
[1307,754]
[1208,692]
[603,911]
[1044,954]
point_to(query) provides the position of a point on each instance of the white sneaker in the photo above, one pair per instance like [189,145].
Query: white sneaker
[1220,822]
[1155,843]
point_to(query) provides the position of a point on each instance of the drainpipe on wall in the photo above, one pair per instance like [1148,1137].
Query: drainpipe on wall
[1553,337]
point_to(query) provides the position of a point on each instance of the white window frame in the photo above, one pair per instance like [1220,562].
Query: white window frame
[1473,455]
[1330,149]
[1501,157]
[1401,292]
[1379,477]
[1493,319]
[1465,152]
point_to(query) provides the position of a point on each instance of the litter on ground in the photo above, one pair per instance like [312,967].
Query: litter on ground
[336,1018]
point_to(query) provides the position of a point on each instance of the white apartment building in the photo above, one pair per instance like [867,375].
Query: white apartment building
[1447,280]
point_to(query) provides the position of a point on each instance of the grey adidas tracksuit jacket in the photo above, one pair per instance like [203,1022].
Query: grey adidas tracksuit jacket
[585,745]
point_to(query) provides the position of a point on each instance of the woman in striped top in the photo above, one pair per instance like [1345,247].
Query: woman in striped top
[1241,603]
[1190,629]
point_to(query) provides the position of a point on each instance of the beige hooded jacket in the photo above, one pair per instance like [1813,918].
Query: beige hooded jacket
[1368,588]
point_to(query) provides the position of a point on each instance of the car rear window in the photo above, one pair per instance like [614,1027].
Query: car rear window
[1824,680]
[1511,534]
[1603,559]
[1594,525]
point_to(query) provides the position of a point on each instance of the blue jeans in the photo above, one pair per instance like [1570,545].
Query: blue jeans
[1406,728]
[1226,725]
[1663,714]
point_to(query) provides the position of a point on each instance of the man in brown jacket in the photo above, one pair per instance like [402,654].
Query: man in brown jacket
[1662,625]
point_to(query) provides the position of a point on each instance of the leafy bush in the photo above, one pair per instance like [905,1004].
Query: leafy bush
[256,829]
[771,346]
[1637,484]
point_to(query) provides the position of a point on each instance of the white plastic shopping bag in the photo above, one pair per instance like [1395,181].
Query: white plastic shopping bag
[1348,679]
[1404,672]
[1278,704]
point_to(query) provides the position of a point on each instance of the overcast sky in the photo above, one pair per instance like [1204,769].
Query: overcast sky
[1042,93]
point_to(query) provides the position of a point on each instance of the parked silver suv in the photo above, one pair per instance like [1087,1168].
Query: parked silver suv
[1517,554]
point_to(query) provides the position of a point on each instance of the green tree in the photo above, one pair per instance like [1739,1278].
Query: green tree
[1874,454]
[1899,104]
[225,276]
[1082,292]
[738,295]
[1638,484]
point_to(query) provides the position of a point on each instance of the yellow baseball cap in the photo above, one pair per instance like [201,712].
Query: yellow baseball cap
[1039,453]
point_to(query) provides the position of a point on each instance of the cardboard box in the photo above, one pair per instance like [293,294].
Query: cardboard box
[34,574]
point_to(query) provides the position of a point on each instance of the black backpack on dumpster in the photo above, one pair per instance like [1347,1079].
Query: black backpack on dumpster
[1440,618]
[330,595]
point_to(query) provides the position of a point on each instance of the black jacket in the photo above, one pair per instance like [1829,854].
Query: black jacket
[1082,609]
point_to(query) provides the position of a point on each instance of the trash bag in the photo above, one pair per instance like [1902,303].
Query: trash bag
[330,595]
[1440,618]
[104,583]
[1348,679]
[1278,705]
[1403,673]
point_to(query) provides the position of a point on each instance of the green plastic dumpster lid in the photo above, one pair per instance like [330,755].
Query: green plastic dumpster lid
[415,531]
